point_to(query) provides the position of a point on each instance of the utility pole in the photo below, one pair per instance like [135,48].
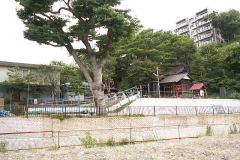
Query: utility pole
[157,75]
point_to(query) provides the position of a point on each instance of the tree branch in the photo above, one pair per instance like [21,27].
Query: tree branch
[107,49]
[54,45]
[71,10]
[59,10]
[83,68]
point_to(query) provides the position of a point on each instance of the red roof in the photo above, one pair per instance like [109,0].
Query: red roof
[197,86]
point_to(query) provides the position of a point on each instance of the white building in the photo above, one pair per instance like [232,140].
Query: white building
[199,29]
[42,80]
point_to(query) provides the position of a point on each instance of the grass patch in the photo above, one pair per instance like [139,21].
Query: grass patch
[53,148]
[88,141]
[233,129]
[61,117]
[3,146]
[111,142]
[209,131]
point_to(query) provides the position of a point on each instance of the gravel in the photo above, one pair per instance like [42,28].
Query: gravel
[207,148]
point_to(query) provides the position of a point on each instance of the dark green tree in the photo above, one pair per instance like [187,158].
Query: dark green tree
[138,57]
[88,29]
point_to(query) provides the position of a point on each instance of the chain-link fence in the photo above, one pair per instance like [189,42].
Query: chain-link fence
[132,132]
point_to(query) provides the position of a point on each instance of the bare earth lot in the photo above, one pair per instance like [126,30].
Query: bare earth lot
[210,148]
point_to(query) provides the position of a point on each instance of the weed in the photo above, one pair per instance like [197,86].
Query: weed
[137,115]
[111,142]
[3,146]
[61,117]
[53,148]
[209,131]
[88,141]
[233,129]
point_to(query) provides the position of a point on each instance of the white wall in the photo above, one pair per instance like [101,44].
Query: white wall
[3,73]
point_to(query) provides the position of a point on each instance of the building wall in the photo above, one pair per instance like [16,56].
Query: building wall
[3,73]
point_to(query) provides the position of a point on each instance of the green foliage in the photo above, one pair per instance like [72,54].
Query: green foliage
[72,75]
[3,146]
[137,115]
[88,141]
[111,142]
[234,96]
[233,129]
[61,117]
[136,58]
[217,66]
[209,131]
[228,23]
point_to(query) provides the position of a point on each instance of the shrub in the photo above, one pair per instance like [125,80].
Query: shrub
[111,142]
[88,141]
[233,129]
[3,146]
[209,131]
[61,116]
[234,96]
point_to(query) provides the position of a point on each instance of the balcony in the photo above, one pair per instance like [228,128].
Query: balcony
[204,29]
[201,37]
[182,25]
[182,31]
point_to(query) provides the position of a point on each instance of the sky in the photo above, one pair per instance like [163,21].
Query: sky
[156,14]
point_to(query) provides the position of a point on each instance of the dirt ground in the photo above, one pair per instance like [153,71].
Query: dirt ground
[205,148]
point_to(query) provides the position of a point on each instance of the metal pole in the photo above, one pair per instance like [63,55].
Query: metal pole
[154,110]
[27,99]
[176,111]
[159,94]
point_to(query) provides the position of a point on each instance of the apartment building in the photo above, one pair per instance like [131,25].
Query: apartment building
[42,82]
[199,29]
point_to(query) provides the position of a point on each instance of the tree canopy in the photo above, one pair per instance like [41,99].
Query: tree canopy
[136,59]
[228,23]
[88,29]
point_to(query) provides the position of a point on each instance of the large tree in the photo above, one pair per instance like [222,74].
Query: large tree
[137,58]
[88,29]
[228,23]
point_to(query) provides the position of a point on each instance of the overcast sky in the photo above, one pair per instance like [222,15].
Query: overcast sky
[156,14]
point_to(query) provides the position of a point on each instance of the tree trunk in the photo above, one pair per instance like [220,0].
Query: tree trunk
[98,96]
[97,88]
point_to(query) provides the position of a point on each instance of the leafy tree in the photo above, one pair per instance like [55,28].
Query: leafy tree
[71,75]
[138,57]
[217,66]
[51,75]
[228,23]
[93,26]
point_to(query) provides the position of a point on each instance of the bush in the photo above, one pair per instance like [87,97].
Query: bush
[209,131]
[234,96]
[111,142]
[88,141]
[233,129]
[61,116]
[3,146]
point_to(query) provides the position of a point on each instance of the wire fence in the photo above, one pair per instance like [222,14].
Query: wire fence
[131,135]
[120,110]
